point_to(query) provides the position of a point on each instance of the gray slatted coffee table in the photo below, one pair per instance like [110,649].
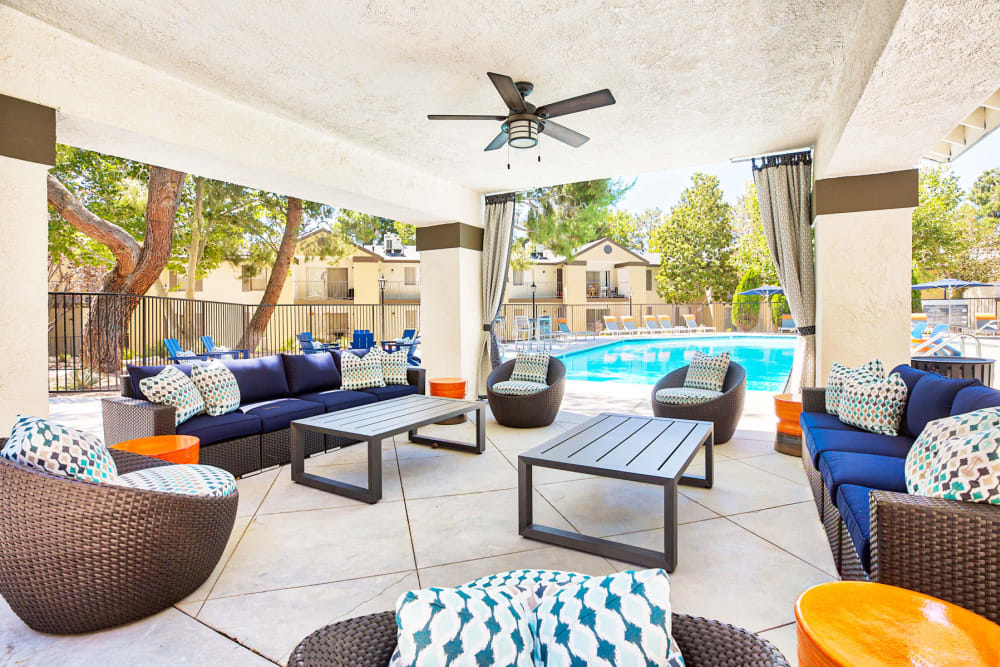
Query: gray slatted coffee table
[639,449]
[374,423]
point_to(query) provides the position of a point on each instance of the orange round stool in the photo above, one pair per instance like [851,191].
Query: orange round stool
[448,388]
[173,448]
[788,439]
[851,623]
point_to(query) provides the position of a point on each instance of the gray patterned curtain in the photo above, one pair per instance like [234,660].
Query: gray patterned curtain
[784,187]
[498,235]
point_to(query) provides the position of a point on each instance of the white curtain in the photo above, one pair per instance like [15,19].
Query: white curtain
[784,187]
[498,234]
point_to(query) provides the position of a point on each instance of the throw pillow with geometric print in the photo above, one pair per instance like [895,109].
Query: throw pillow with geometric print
[217,386]
[361,372]
[872,403]
[59,450]
[707,371]
[172,387]
[966,468]
[922,457]
[840,374]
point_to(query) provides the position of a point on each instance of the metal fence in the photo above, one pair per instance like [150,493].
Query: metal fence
[76,340]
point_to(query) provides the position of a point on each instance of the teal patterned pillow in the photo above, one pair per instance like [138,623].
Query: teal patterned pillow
[217,386]
[58,450]
[531,367]
[840,373]
[965,468]
[361,372]
[171,387]
[394,367]
[463,627]
[527,579]
[922,457]
[872,403]
[707,371]
[685,396]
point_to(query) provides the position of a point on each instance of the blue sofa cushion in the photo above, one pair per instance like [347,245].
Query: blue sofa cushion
[278,414]
[229,426]
[391,391]
[260,379]
[910,376]
[823,420]
[854,508]
[339,399]
[310,372]
[974,398]
[871,470]
[819,440]
[137,373]
[931,398]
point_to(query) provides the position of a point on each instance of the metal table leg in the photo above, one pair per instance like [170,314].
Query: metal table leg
[372,494]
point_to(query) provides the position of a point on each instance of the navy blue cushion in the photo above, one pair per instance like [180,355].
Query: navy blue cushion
[276,415]
[229,426]
[260,379]
[339,399]
[975,397]
[872,470]
[823,420]
[391,391]
[310,372]
[931,399]
[910,376]
[854,508]
[819,440]
[336,356]
[136,373]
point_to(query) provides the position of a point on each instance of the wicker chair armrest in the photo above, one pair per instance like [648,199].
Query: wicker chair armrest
[671,380]
[128,418]
[814,399]
[944,548]
[501,373]
[125,385]
[127,462]
[708,643]
[417,377]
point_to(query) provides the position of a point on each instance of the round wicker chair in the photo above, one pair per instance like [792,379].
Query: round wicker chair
[724,411]
[78,557]
[534,410]
[369,641]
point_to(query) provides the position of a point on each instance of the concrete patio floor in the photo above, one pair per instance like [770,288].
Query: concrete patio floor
[300,558]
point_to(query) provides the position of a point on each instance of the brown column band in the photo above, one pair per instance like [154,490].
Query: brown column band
[871,192]
[27,131]
[450,235]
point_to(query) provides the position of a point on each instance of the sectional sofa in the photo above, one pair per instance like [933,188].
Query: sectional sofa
[274,391]
[945,548]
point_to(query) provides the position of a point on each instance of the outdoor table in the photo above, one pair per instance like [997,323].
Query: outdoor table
[173,448]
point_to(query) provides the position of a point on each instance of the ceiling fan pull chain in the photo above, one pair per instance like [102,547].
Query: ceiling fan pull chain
[508,156]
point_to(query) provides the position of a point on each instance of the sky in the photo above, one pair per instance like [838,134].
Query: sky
[663,188]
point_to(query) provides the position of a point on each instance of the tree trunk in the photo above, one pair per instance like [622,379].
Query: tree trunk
[194,248]
[254,331]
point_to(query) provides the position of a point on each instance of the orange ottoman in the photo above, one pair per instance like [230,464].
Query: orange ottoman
[173,448]
[849,623]
[449,388]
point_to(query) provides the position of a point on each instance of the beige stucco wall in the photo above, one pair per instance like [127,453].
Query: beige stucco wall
[451,312]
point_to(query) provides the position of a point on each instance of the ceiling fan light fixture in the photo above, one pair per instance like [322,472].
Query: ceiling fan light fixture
[523,133]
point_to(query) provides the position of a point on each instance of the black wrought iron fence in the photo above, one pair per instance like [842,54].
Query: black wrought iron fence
[92,336]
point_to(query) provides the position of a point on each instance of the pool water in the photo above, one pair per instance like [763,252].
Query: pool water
[767,359]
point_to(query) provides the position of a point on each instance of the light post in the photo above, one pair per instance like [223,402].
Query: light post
[630,301]
[381,304]
[534,314]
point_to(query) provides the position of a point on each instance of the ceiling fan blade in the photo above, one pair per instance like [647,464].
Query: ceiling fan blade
[598,98]
[564,134]
[508,91]
[456,117]
[498,142]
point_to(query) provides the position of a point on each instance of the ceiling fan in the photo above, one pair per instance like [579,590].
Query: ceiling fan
[525,121]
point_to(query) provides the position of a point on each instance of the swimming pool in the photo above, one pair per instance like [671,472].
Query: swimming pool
[767,359]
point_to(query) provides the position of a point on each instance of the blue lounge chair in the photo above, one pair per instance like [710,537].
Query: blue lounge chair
[692,324]
[232,354]
[565,331]
[930,340]
[667,324]
[178,355]
[309,346]
[787,325]
[629,323]
[917,330]
[611,327]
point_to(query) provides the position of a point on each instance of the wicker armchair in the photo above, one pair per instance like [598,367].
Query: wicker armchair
[534,410]
[724,411]
[77,556]
[369,641]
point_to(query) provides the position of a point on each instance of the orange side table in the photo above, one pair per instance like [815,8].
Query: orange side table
[848,623]
[173,448]
[788,439]
[448,388]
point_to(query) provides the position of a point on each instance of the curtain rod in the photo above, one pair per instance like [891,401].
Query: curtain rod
[787,151]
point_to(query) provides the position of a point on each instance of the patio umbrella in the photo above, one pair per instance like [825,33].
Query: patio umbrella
[948,284]
[765,290]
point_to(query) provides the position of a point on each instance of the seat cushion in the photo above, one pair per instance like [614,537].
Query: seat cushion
[931,398]
[822,420]
[278,414]
[974,398]
[685,395]
[139,373]
[391,391]
[188,479]
[518,387]
[339,399]
[229,426]
[59,450]
[260,379]
[819,440]
[872,470]
[855,510]
[307,373]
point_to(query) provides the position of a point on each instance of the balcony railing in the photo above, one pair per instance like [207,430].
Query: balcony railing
[543,290]
[602,291]
[319,290]
[398,290]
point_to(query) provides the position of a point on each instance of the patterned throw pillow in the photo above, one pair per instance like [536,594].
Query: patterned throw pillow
[840,373]
[707,371]
[394,367]
[188,479]
[60,451]
[685,396]
[361,372]
[620,619]
[463,627]
[518,387]
[171,387]
[531,367]
[965,468]
[527,579]
[873,404]
[217,386]
[922,456]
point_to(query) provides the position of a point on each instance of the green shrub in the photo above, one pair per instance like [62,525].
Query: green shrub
[746,307]
[779,307]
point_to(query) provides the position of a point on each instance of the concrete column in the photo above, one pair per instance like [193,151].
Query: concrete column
[450,300]
[863,240]
[27,149]
[575,293]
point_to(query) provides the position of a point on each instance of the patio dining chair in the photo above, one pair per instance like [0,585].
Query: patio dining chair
[210,348]
[692,323]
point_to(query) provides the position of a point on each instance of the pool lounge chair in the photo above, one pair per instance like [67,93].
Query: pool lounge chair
[932,339]
[211,347]
[917,329]
[652,324]
[565,331]
[787,325]
[178,355]
[611,327]
[692,324]
[987,324]
[308,346]
[629,323]
[667,324]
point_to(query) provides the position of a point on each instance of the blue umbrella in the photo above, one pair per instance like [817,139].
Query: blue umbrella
[948,284]
[765,290]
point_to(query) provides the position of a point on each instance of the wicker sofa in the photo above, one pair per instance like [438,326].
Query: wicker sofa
[724,411]
[76,556]
[878,532]
[275,390]
[533,410]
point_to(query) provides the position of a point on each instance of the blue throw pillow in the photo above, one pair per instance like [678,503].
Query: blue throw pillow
[975,398]
[931,398]
[259,379]
[307,373]
[910,375]
[138,373]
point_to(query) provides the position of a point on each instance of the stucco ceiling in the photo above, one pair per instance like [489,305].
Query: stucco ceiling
[696,81]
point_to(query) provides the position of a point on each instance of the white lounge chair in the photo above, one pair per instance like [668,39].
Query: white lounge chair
[611,327]
[787,325]
[691,323]
[629,323]
[668,326]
